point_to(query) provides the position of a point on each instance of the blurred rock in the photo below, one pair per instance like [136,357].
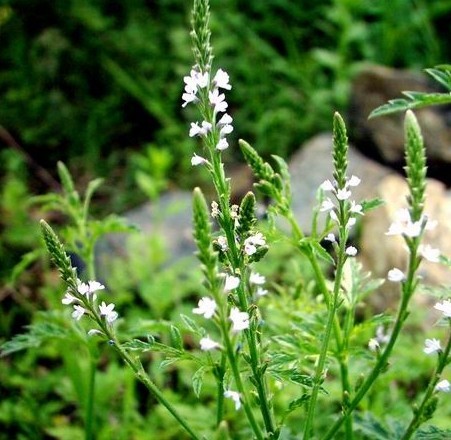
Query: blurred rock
[165,233]
[313,164]
[379,253]
[383,137]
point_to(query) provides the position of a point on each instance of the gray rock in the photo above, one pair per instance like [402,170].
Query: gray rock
[313,164]
[384,136]
[164,227]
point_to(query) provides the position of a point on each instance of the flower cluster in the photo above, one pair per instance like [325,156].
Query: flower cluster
[84,295]
[346,217]
[405,227]
[199,87]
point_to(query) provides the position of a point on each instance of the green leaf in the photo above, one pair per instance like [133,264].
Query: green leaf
[176,338]
[138,345]
[369,205]
[191,325]
[26,260]
[198,379]
[433,433]
[416,100]
[297,403]
[37,334]
[441,74]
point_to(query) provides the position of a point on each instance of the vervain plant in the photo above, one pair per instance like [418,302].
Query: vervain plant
[236,339]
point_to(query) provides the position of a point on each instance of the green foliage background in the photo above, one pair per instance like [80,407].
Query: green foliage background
[98,84]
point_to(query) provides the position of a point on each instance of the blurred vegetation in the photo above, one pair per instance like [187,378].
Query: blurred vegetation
[98,84]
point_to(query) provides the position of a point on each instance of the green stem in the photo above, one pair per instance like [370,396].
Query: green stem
[89,434]
[143,377]
[239,383]
[418,419]
[324,347]
[380,366]
[221,187]
[220,389]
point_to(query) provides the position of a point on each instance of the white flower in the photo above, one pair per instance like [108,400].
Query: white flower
[327,205]
[354,181]
[327,186]
[432,346]
[225,130]
[197,160]
[240,320]
[235,397]
[231,283]
[256,278]
[343,194]
[333,216]
[222,243]
[108,311]
[351,251]
[78,312]
[83,288]
[226,119]
[221,80]
[444,307]
[395,275]
[214,209]
[94,286]
[206,307]
[188,98]
[403,225]
[199,130]
[218,101]
[69,298]
[429,253]
[222,145]
[443,386]
[351,222]
[207,344]
[261,292]
[330,237]
[356,208]
[373,344]
[251,243]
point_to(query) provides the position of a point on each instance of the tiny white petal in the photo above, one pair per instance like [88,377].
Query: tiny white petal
[327,186]
[261,291]
[444,307]
[395,275]
[256,278]
[327,205]
[432,346]
[429,253]
[222,144]
[78,312]
[443,386]
[240,320]
[330,237]
[351,251]
[207,344]
[221,79]
[206,307]
[231,283]
[197,160]
[373,344]
[343,194]
[235,397]
[226,119]
[354,181]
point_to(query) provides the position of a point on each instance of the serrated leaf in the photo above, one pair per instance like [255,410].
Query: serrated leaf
[371,427]
[198,380]
[433,433]
[191,325]
[416,100]
[176,338]
[321,252]
[36,335]
[297,403]
[168,361]
[138,345]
